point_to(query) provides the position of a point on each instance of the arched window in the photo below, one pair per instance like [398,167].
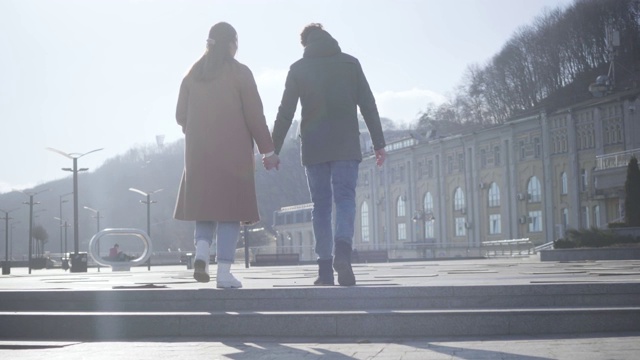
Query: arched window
[494,194]
[400,207]
[458,199]
[428,203]
[565,183]
[534,190]
[364,221]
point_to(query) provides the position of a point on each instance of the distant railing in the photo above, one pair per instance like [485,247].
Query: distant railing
[508,247]
[546,246]
[615,160]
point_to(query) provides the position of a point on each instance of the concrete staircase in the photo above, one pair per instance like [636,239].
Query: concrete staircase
[354,312]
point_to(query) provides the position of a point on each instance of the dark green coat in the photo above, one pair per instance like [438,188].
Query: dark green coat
[330,86]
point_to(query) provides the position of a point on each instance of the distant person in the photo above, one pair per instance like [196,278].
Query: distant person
[117,255]
[221,115]
[330,86]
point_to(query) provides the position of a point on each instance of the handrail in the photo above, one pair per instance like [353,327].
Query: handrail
[617,159]
[545,246]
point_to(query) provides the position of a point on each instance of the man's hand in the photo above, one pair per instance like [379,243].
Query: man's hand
[381,155]
[271,162]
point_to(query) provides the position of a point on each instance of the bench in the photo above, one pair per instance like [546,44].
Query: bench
[276,259]
[367,256]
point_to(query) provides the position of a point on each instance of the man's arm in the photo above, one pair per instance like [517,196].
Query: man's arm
[285,112]
[369,110]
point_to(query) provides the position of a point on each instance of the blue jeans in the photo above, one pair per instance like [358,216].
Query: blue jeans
[329,182]
[226,234]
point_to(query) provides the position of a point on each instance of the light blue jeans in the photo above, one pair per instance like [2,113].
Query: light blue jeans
[226,235]
[329,182]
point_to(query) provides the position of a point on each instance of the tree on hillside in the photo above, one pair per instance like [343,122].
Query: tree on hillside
[632,194]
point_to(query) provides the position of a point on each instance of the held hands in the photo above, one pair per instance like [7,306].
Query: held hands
[271,161]
[381,155]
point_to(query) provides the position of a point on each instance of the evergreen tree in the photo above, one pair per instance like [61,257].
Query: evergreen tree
[632,194]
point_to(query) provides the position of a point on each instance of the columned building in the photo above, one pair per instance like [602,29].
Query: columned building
[533,177]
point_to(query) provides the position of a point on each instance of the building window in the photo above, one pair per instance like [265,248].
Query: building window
[584,180]
[400,207]
[496,156]
[402,231]
[535,221]
[429,229]
[450,164]
[460,162]
[494,195]
[494,224]
[586,223]
[483,158]
[430,168]
[564,183]
[364,221]
[596,216]
[537,147]
[460,229]
[428,203]
[458,199]
[534,190]
[522,150]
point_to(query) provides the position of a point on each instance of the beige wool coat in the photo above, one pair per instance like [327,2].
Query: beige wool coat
[221,119]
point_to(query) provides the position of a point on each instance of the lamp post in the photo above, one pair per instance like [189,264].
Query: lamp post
[74,170]
[97,216]
[60,218]
[6,267]
[11,237]
[39,251]
[31,194]
[148,202]
[65,260]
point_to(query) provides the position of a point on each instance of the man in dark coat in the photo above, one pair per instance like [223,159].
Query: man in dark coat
[330,86]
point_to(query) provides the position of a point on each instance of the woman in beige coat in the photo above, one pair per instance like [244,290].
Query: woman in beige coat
[221,115]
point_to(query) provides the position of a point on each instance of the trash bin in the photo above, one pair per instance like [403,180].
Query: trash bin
[78,262]
[65,264]
[190,261]
[6,267]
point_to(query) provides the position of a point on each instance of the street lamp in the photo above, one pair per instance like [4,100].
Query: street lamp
[11,242]
[6,267]
[31,194]
[97,216]
[65,259]
[74,170]
[61,202]
[148,202]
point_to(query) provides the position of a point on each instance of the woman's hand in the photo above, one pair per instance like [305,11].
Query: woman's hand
[271,161]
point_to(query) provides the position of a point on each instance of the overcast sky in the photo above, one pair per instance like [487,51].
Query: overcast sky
[81,75]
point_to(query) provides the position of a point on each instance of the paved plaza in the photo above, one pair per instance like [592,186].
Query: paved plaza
[396,275]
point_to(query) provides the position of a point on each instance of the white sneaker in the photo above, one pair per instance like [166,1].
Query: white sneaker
[224,278]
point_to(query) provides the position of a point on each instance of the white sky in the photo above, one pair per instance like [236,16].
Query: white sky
[86,74]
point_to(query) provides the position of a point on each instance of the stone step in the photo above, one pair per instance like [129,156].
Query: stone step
[295,324]
[327,298]
[361,311]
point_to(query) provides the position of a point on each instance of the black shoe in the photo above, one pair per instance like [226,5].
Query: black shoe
[200,271]
[325,273]
[342,264]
